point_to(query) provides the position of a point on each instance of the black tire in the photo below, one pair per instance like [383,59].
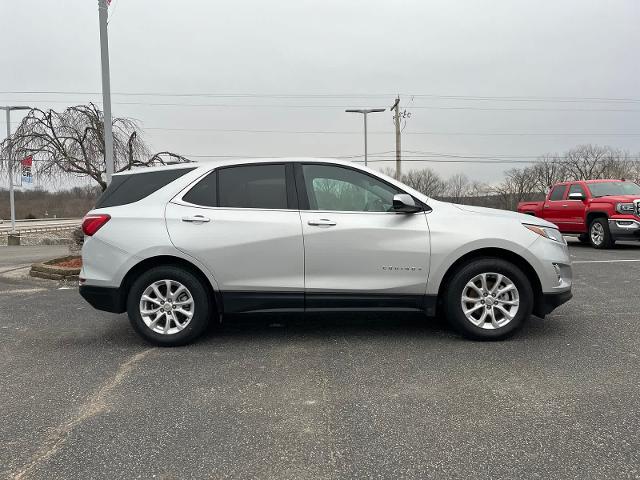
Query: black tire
[455,289]
[607,240]
[202,306]
[584,238]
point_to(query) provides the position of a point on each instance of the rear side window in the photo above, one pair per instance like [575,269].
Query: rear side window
[252,186]
[132,187]
[558,193]
[204,192]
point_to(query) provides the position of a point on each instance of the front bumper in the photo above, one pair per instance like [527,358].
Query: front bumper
[550,301]
[625,228]
[108,299]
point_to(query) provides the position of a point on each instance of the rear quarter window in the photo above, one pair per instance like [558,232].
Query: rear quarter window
[130,188]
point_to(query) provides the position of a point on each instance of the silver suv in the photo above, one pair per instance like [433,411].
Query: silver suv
[179,247]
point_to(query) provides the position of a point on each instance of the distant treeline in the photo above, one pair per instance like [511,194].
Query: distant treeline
[74,202]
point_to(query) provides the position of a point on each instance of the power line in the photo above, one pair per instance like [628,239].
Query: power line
[348,132]
[495,98]
[294,106]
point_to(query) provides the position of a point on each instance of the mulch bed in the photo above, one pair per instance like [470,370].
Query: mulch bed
[71,263]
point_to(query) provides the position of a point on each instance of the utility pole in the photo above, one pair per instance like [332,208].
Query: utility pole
[396,118]
[103,7]
[12,202]
[365,112]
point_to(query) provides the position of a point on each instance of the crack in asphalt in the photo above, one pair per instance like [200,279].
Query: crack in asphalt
[94,405]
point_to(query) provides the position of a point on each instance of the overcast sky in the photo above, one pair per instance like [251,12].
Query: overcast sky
[362,53]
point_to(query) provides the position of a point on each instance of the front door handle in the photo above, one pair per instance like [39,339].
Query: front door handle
[196,219]
[323,222]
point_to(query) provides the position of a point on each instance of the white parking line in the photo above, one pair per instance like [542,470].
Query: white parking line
[604,261]
[22,290]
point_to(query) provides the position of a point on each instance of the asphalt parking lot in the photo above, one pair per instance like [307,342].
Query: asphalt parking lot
[349,396]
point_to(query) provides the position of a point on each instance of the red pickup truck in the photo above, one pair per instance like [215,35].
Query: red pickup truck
[598,211]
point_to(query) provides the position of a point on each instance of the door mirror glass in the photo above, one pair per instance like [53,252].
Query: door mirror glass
[576,196]
[404,203]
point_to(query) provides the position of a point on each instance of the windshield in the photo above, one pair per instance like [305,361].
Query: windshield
[613,188]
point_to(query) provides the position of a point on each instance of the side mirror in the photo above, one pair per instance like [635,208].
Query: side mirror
[576,196]
[403,203]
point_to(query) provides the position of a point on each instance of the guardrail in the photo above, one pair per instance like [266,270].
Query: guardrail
[26,230]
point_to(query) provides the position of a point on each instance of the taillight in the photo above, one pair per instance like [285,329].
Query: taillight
[92,223]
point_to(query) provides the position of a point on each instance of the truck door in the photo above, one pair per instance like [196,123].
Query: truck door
[553,210]
[575,210]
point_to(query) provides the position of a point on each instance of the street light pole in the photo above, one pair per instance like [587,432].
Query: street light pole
[364,113]
[12,202]
[103,6]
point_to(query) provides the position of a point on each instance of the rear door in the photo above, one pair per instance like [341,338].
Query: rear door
[242,222]
[359,253]
[553,209]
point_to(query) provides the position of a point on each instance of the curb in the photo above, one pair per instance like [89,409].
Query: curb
[51,272]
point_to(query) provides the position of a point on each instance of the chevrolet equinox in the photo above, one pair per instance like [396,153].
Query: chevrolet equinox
[179,246]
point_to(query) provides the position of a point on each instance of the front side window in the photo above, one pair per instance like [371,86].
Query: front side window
[575,188]
[252,186]
[557,193]
[334,188]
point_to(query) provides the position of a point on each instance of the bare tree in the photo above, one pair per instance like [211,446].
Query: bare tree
[457,187]
[425,181]
[71,143]
[586,162]
[547,171]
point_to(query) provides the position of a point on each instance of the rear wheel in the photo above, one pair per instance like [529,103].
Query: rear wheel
[599,234]
[168,306]
[488,299]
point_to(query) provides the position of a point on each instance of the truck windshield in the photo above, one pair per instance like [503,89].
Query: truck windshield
[613,188]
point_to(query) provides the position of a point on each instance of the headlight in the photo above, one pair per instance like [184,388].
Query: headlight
[626,208]
[547,232]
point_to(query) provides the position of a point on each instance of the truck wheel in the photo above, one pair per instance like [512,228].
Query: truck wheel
[168,306]
[488,299]
[599,234]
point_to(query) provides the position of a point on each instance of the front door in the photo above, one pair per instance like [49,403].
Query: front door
[575,210]
[555,205]
[359,253]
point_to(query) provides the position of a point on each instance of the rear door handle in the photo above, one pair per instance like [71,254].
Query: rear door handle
[196,219]
[323,222]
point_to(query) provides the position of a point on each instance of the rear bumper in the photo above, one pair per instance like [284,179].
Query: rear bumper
[550,301]
[108,299]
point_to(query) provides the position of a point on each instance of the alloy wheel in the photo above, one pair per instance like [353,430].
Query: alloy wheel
[166,307]
[597,233]
[490,300]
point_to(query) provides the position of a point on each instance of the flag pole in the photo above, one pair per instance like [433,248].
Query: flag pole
[103,6]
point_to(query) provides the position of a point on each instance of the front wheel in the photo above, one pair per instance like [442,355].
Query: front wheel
[599,233]
[168,306]
[488,299]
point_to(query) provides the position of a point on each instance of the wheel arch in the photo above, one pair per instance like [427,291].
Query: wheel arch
[499,253]
[169,260]
[591,216]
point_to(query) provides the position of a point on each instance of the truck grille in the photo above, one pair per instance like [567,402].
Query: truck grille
[637,202]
